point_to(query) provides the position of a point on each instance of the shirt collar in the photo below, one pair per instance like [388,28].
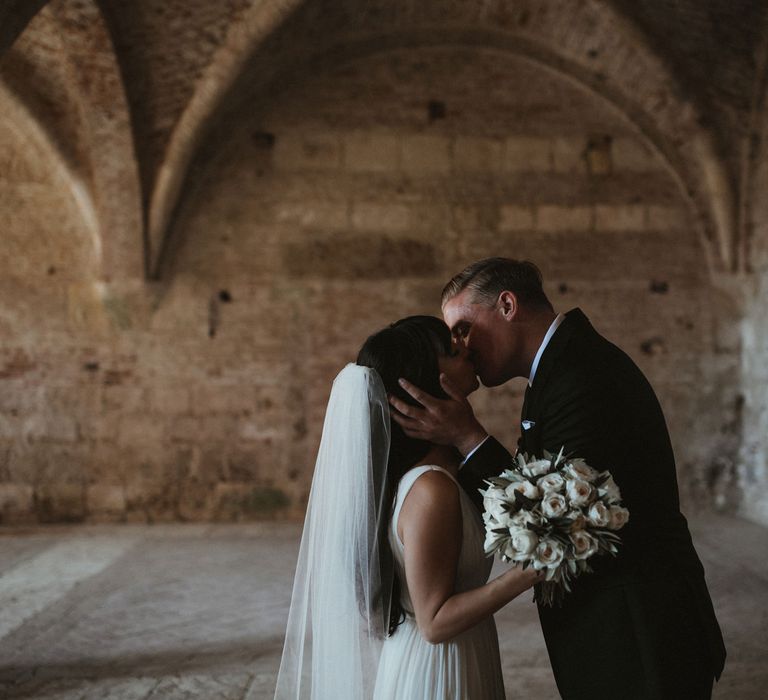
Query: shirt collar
[550,332]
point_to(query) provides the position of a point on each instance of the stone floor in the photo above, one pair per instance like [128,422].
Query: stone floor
[197,611]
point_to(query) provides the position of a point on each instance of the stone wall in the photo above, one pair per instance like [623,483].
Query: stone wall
[753,463]
[344,205]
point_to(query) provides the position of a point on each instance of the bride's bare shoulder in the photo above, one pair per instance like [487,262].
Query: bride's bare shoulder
[434,485]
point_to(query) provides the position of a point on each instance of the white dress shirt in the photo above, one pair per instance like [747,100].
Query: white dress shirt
[550,332]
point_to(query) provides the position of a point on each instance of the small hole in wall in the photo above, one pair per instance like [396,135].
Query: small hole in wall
[659,287]
[225,296]
[563,288]
[52,270]
[436,110]
[263,139]
[653,346]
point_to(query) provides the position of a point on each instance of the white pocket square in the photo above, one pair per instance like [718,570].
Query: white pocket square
[528,424]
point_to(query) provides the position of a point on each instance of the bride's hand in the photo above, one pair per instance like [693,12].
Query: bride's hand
[523,579]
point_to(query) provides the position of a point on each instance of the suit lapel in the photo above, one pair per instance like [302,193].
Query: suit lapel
[524,412]
[574,320]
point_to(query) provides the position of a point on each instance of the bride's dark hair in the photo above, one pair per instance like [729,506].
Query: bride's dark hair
[409,348]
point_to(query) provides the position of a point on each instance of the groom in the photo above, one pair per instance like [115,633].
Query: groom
[642,625]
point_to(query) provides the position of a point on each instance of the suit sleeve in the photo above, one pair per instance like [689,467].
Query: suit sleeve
[490,459]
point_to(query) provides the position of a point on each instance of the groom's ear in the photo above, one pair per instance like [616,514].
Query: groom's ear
[508,305]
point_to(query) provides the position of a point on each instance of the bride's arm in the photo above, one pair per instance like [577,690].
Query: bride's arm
[430,525]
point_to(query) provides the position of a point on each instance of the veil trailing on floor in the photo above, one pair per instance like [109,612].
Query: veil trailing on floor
[340,606]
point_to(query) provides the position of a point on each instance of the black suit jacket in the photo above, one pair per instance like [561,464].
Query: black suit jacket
[643,620]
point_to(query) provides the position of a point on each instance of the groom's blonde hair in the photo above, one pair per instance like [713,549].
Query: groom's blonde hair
[490,277]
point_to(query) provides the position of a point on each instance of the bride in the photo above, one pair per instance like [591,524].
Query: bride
[390,597]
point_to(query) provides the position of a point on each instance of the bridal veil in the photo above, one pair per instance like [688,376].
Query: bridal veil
[340,606]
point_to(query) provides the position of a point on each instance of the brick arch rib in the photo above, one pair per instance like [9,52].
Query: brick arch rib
[15,15]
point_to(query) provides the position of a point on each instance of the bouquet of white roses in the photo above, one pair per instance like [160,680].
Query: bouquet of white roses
[553,514]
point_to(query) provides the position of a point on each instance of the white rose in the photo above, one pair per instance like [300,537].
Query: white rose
[619,517]
[579,492]
[524,487]
[599,515]
[553,505]
[497,521]
[548,555]
[523,542]
[579,469]
[493,500]
[610,490]
[584,545]
[522,518]
[551,482]
[537,467]
[579,521]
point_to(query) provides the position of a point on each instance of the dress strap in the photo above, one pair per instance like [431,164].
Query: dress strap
[406,483]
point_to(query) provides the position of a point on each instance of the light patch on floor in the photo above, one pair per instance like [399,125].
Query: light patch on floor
[31,586]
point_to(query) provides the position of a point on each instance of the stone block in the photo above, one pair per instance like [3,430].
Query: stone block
[568,154]
[57,426]
[633,155]
[552,217]
[620,217]
[728,335]
[516,218]
[99,426]
[369,258]
[144,430]
[308,214]
[375,216]
[307,151]
[185,429]
[218,428]
[60,502]
[105,497]
[222,398]
[473,154]
[247,501]
[527,154]
[170,399]
[254,429]
[15,498]
[465,218]
[125,397]
[662,218]
[245,464]
[196,501]
[371,151]
[426,154]
[10,427]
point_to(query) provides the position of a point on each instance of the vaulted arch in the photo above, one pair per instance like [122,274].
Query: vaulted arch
[14,17]
[588,42]
[64,69]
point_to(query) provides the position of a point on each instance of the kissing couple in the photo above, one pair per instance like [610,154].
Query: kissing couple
[391,597]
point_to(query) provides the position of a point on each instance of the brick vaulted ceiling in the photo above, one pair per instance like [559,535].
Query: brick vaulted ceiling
[147,82]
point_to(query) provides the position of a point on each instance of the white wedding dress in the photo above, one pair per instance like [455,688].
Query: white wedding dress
[467,667]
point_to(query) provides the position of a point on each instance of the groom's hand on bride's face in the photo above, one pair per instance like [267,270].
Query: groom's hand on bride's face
[448,421]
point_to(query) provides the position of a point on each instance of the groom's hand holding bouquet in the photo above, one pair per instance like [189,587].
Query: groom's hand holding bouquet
[553,514]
